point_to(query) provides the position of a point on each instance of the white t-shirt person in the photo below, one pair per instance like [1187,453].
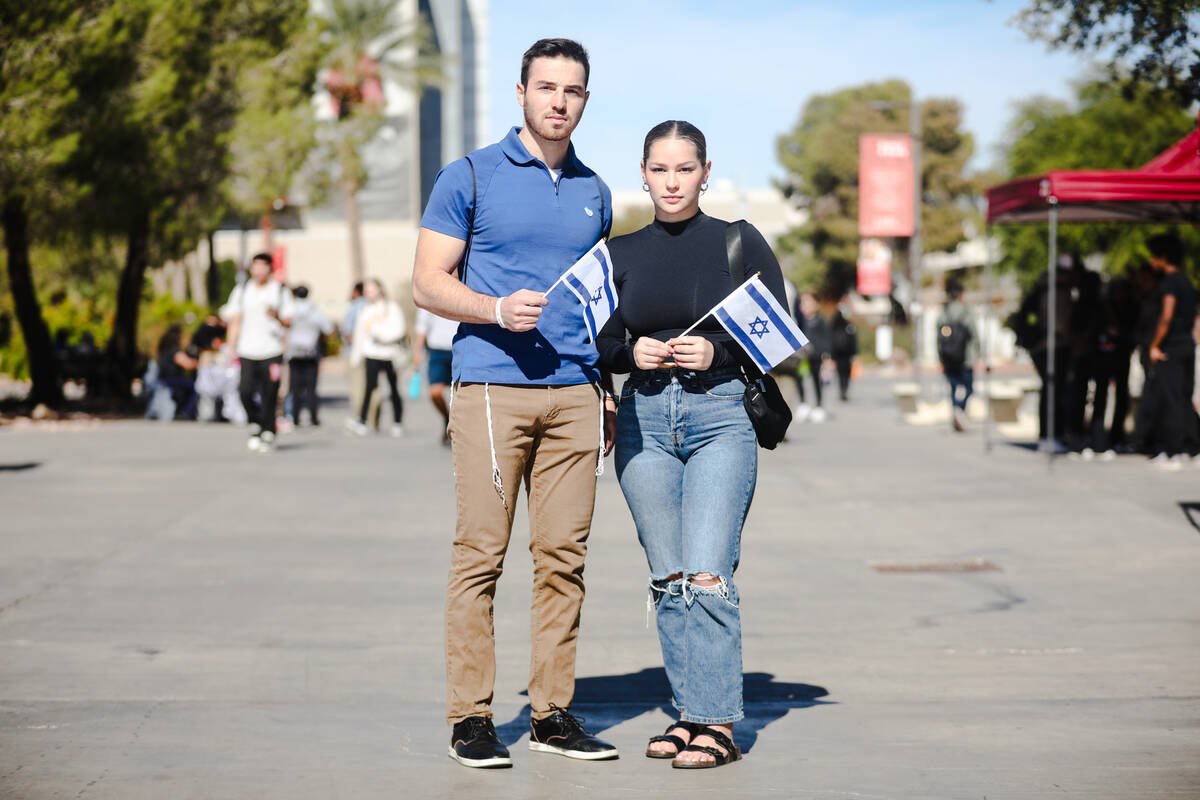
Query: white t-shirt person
[260,336]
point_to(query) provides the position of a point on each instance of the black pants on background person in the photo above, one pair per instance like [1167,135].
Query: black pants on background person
[1112,368]
[374,366]
[261,377]
[844,364]
[303,373]
[1166,419]
[814,374]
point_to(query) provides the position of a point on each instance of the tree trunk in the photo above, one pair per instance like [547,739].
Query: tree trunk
[212,278]
[354,228]
[42,366]
[122,345]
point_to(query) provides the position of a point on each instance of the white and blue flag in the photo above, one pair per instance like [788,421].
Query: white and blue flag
[759,324]
[590,280]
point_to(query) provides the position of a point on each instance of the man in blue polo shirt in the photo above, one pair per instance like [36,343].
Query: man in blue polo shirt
[501,225]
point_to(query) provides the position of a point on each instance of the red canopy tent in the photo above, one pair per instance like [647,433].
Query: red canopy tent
[1167,189]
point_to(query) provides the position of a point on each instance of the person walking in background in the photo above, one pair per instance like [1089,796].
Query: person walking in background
[356,374]
[814,326]
[377,344]
[258,312]
[1166,421]
[527,397]
[687,455]
[432,344]
[956,345]
[843,347]
[304,351]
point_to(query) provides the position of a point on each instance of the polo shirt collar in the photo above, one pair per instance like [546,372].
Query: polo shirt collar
[516,151]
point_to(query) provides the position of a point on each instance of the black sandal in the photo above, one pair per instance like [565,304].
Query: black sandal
[731,753]
[691,727]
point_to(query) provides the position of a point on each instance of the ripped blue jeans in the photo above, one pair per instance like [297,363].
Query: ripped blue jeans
[687,461]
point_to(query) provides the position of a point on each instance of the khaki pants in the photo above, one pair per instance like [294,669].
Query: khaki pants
[549,437]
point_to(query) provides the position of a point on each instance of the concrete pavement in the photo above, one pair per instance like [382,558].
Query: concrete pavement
[180,618]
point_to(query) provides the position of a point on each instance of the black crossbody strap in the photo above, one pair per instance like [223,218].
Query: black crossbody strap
[607,226]
[737,271]
[733,249]
[462,265]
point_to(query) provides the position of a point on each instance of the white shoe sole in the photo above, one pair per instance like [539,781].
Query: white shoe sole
[604,755]
[480,762]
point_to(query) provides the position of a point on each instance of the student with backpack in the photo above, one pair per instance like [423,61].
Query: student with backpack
[259,311]
[955,346]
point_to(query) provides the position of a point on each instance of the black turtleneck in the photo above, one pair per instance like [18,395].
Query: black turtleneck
[667,275]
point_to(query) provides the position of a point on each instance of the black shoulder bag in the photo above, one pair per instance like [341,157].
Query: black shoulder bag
[768,411]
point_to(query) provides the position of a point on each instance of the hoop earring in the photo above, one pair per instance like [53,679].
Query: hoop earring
[703,188]
[645,186]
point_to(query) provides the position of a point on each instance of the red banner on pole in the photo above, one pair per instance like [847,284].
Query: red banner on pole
[279,269]
[874,268]
[885,185]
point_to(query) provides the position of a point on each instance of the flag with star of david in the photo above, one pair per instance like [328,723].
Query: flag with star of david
[590,280]
[756,321]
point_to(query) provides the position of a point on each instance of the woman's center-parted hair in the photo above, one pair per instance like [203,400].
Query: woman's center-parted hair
[676,129]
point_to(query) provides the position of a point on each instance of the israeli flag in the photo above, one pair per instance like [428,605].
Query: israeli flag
[759,324]
[590,280]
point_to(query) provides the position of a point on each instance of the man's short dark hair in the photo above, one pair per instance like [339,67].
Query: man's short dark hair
[1167,246]
[954,289]
[265,258]
[555,48]
[300,292]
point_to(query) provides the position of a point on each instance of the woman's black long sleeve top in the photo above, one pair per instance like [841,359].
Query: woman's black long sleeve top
[667,275]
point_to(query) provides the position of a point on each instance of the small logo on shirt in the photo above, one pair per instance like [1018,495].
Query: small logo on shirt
[588,211]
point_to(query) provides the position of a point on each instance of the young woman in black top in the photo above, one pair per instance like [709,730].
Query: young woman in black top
[686,454]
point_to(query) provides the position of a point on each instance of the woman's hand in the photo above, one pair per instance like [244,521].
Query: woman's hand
[692,352]
[650,353]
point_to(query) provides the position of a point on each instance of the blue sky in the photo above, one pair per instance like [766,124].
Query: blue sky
[742,70]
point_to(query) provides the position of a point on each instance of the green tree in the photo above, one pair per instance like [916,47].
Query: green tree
[368,44]
[160,98]
[37,137]
[1106,127]
[1149,41]
[820,155]
[275,129]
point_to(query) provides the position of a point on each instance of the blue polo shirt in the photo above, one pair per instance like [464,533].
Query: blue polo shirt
[528,231]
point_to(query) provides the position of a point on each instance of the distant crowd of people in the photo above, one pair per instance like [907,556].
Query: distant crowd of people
[233,366]
[829,355]
[1098,328]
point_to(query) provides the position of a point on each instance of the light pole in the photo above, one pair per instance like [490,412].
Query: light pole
[914,241]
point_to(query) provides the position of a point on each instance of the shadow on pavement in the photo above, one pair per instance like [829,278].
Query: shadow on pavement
[22,467]
[609,700]
[1191,512]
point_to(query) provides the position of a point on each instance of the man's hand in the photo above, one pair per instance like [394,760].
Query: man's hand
[521,309]
[650,353]
[610,424]
[1156,353]
[692,352]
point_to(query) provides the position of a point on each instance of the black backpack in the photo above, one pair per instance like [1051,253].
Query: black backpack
[953,338]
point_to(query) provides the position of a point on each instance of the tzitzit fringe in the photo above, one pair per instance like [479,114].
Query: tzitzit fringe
[600,455]
[496,479]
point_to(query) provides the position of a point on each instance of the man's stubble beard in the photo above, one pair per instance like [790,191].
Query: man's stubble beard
[546,132]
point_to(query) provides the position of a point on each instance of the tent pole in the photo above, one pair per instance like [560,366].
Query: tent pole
[1051,323]
[986,340]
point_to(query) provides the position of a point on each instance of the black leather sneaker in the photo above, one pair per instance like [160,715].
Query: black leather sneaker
[564,734]
[474,743]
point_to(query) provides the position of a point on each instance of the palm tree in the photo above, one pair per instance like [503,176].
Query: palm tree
[368,45]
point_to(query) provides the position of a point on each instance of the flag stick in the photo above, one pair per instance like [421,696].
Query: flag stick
[714,308]
[557,282]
